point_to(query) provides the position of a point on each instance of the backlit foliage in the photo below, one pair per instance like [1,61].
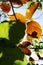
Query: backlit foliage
[33,28]
[30,10]
[19,17]
[5,7]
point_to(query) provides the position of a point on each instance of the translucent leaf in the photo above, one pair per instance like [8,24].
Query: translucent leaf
[29,4]
[6,7]
[19,17]
[30,10]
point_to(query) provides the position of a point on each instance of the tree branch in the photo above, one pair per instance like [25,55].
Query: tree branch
[13,9]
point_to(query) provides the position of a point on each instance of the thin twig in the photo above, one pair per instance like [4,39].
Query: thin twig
[13,9]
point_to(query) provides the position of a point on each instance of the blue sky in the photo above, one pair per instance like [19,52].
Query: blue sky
[38,16]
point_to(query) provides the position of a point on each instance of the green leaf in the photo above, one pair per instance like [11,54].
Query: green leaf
[30,3]
[1,54]
[36,43]
[16,32]
[19,62]
[13,31]
[12,56]
[4,27]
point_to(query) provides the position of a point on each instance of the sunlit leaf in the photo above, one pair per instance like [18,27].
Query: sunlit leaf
[29,4]
[31,10]
[19,17]
[4,27]
[40,51]
[5,7]
[36,43]
[34,29]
